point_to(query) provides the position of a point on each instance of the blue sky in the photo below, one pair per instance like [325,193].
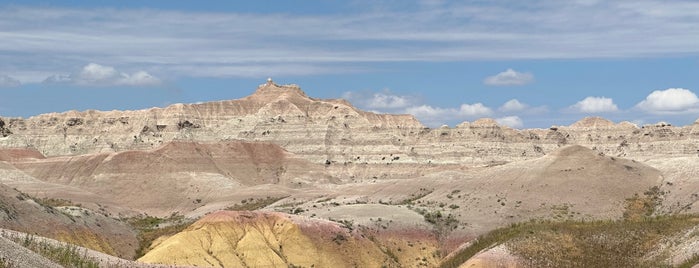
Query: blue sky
[524,63]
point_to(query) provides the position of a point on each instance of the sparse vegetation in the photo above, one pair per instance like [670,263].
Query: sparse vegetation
[55,202]
[151,228]
[415,196]
[349,224]
[5,263]
[339,238]
[639,207]
[66,255]
[443,224]
[622,243]
[297,210]
[689,263]
[255,204]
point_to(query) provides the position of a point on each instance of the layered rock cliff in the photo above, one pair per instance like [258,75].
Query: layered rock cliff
[352,144]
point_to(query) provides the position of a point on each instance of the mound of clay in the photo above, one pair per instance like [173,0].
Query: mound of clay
[270,239]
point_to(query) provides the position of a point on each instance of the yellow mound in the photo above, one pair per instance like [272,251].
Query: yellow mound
[268,239]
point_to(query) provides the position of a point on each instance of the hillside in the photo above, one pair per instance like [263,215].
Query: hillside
[179,176]
[76,225]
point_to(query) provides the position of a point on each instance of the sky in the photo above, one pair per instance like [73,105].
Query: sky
[527,64]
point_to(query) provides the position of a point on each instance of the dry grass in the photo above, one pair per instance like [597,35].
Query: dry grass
[65,255]
[622,243]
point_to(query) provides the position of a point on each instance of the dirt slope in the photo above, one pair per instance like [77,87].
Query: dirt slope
[75,225]
[571,183]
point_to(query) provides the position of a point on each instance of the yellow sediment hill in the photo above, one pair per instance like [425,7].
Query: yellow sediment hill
[270,239]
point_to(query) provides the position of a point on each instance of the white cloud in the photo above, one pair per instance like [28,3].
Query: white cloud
[7,81]
[435,116]
[513,105]
[429,112]
[595,105]
[672,100]
[99,75]
[474,110]
[384,100]
[509,78]
[510,121]
[140,78]
[94,73]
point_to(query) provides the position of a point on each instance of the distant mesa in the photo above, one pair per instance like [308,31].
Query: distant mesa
[485,122]
[479,123]
[593,122]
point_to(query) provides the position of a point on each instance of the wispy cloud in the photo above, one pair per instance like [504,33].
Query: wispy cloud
[384,100]
[7,81]
[509,78]
[98,75]
[53,40]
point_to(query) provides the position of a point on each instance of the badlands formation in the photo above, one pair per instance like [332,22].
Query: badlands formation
[280,179]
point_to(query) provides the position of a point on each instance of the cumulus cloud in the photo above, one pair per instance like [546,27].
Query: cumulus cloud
[7,81]
[384,100]
[473,110]
[437,115]
[509,78]
[595,105]
[513,105]
[510,121]
[99,75]
[672,100]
